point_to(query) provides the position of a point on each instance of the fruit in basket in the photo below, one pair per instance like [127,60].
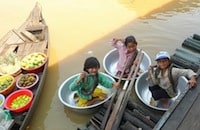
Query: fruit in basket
[33,60]
[5,82]
[20,101]
[28,80]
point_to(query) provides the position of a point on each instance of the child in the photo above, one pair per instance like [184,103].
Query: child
[163,79]
[86,84]
[127,53]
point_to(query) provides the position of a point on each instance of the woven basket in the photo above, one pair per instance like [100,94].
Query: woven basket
[10,88]
[38,68]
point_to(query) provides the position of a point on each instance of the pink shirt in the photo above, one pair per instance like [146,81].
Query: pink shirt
[123,56]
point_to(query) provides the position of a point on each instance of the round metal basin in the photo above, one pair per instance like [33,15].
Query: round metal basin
[144,94]
[111,59]
[66,96]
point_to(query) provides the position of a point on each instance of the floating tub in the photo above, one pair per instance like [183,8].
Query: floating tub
[111,59]
[66,96]
[144,94]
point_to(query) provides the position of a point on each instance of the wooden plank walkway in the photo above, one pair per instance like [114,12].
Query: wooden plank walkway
[185,115]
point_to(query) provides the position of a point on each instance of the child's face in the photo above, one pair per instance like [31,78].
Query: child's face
[163,63]
[93,70]
[131,47]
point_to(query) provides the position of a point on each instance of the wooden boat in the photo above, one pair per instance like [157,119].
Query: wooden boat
[66,96]
[142,90]
[31,36]
[111,58]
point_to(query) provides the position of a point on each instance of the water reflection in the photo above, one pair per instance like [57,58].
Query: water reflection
[75,117]
[168,10]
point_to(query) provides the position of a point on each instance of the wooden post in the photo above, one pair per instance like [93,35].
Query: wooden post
[136,121]
[196,37]
[183,63]
[128,126]
[112,100]
[94,124]
[144,111]
[121,103]
[187,56]
[191,44]
[142,117]
[127,94]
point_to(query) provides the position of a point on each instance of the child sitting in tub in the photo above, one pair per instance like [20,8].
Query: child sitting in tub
[86,84]
[163,79]
[127,49]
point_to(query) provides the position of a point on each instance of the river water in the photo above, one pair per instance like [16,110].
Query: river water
[79,29]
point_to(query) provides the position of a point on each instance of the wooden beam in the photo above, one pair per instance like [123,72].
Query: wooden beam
[121,101]
[112,99]
[127,94]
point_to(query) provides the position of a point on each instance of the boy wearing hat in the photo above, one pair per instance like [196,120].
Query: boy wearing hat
[163,79]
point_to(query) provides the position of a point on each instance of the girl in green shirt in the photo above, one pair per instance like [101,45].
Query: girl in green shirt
[86,83]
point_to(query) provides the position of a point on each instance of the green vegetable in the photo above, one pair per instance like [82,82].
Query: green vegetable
[32,61]
[20,101]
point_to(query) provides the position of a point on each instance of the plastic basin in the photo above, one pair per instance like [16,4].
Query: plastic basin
[27,82]
[16,94]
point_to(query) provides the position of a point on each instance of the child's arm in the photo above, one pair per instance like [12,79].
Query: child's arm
[76,84]
[81,77]
[116,85]
[151,76]
[192,81]
[190,74]
[115,41]
[106,82]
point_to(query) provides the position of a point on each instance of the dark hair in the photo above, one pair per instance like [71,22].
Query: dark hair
[91,62]
[129,39]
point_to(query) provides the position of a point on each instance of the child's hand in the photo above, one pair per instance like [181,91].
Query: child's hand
[117,39]
[192,82]
[116,85]
[151,68]
[82,75]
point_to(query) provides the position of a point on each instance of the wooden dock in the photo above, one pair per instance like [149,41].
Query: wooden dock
[183,115]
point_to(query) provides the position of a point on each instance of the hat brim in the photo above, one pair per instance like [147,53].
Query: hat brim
[162,57]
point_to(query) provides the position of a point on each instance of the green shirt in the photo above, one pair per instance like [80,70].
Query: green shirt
[88,83]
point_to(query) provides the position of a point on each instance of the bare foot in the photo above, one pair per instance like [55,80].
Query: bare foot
[76,97]
[164,103]
[153,102]
[148,117]
[92,101]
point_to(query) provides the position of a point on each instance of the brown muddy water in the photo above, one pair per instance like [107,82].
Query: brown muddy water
[79,29]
